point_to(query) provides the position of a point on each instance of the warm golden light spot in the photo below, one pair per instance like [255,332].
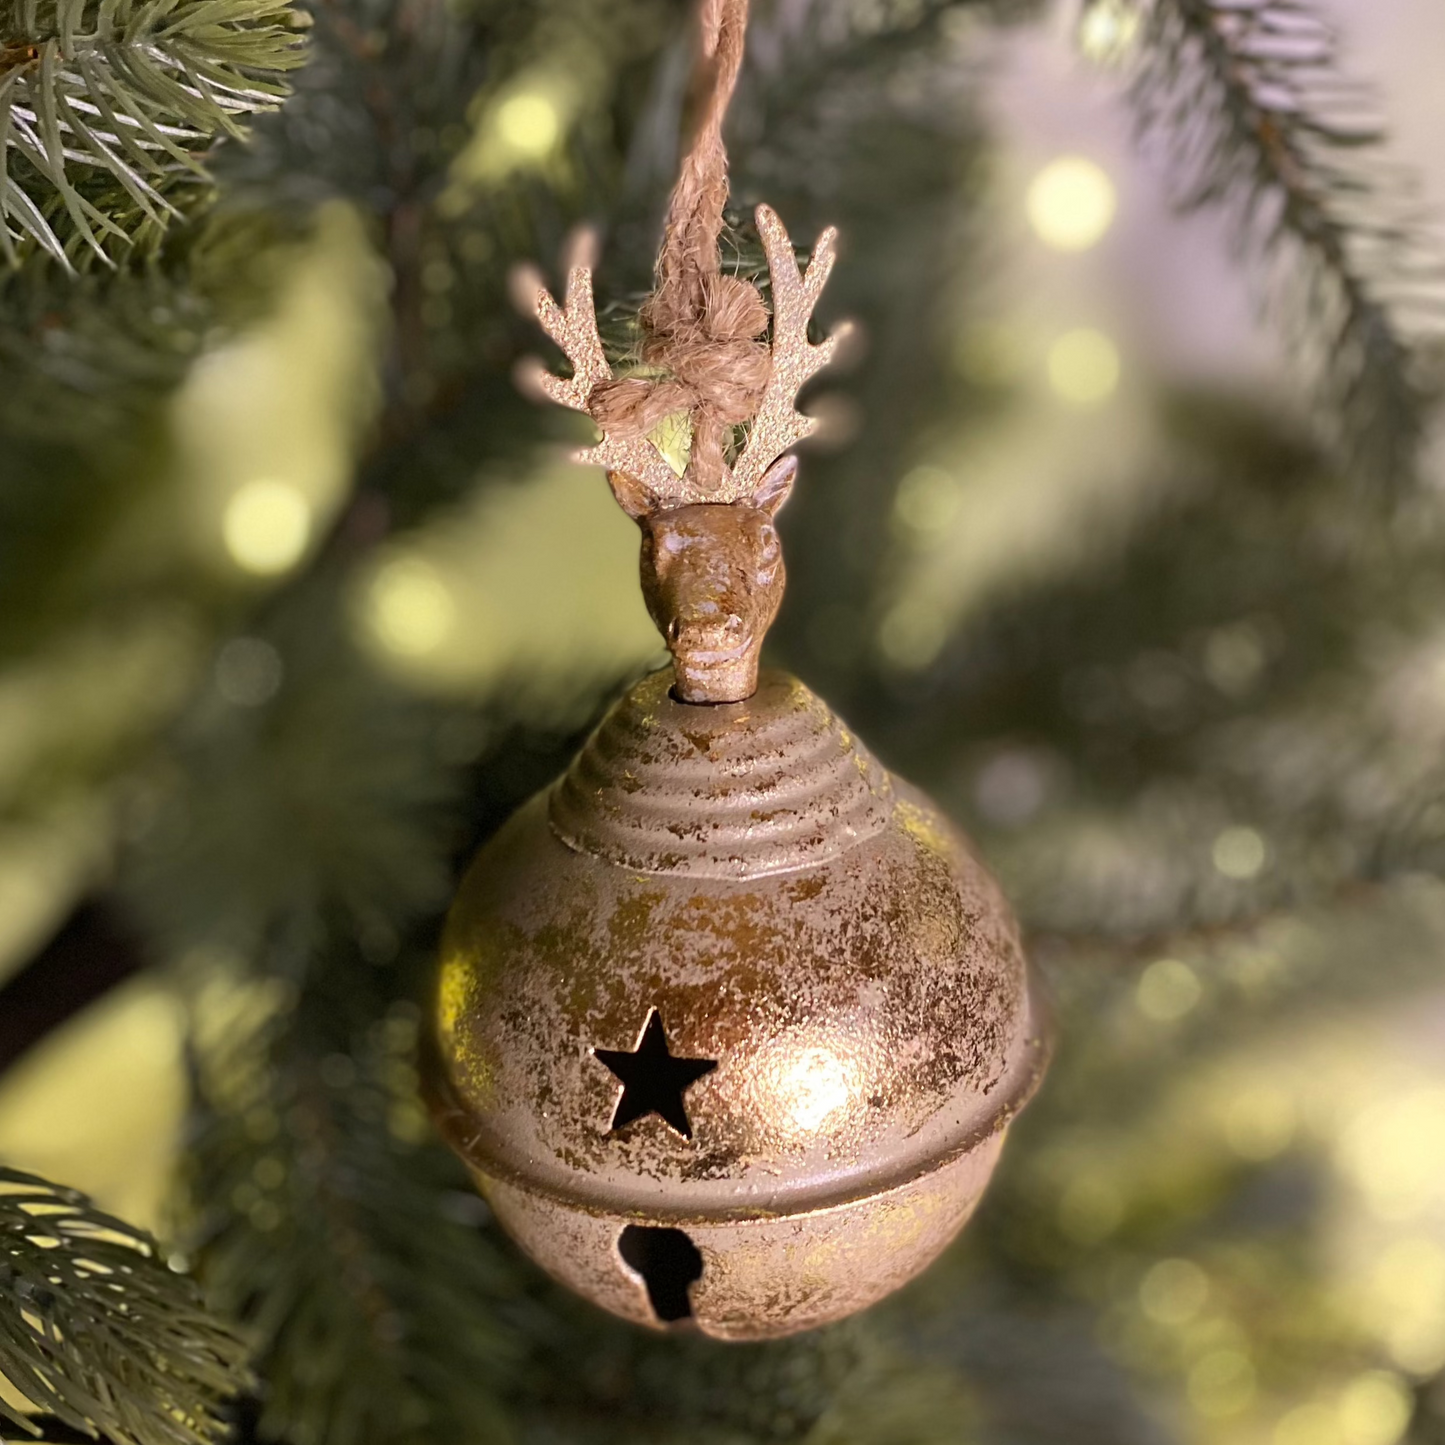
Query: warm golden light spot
[814,1085]
[1107,30]
[1393,1151]
[1260,1122]
[1221,1383]
[1411,1275]
[1418,1346]
[1083,368]
[1070,203]
[1167,990]
[1375,1409]
[911,634]
[1308,1425]
[804,1086]
[1406,1298]
[529,124]
[521,128]
[266,526]
[411,608]
[1239,853]
[1173,1292]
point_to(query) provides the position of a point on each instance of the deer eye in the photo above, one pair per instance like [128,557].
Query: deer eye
[770,542]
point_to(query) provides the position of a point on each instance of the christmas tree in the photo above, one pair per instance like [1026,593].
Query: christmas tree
[301,599]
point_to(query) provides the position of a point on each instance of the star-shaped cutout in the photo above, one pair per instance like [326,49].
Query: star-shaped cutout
[653,1079]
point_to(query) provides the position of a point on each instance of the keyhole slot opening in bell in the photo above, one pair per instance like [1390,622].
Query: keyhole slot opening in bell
[669,1264]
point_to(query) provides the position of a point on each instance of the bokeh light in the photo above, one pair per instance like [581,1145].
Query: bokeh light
[1167,990]
[265,424]
[266,526]
[911,634]
[1239,853]
[1311,1424]
[529,123]
[1260,1122]
[1392,1152]
[1173,1291]
[1233,658]
[411,609]
[1070,204]
[1406,1299]
[927,501]
[248,671]
[1107,30]
[522,128]
[1221,1383]
[1083,367]
[1375,1409]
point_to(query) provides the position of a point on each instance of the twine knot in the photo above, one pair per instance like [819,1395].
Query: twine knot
[701,330]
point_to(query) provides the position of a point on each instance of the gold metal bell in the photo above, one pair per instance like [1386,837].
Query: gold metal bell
[731,1021]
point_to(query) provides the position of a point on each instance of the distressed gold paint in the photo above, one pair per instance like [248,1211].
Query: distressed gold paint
[923,825]
[452,994]
[792,912]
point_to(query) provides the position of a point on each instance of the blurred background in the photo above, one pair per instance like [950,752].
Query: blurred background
[1123,539]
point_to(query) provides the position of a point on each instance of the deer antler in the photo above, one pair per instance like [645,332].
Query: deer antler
[574,329]
[778,425]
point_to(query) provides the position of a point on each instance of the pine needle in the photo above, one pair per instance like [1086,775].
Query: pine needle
[107,110]
[96,1331]
[325,1217]
[1260,123]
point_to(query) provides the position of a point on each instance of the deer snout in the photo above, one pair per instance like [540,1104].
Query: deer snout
[708,633]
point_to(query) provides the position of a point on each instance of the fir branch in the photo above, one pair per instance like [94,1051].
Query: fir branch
[325,1217]
[96,1331]
[1260,123]
[328,798]
[106,111]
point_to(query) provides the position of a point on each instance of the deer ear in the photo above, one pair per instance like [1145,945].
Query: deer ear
[632,496]
[777,482]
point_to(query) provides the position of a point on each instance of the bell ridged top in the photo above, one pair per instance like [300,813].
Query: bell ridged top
[736,790]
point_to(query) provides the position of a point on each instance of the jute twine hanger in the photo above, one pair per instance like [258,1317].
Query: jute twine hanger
[702,346]
[699,327]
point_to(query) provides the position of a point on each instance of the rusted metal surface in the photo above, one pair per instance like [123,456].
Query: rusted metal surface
[769,785]
[712,578]
[748,874]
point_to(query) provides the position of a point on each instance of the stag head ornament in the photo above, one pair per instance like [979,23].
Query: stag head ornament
[712,565]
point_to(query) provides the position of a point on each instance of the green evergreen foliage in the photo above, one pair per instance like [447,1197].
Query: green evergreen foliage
[1261,122]
[343,1236]
[97,1332]
[106,110]
[1185,699]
